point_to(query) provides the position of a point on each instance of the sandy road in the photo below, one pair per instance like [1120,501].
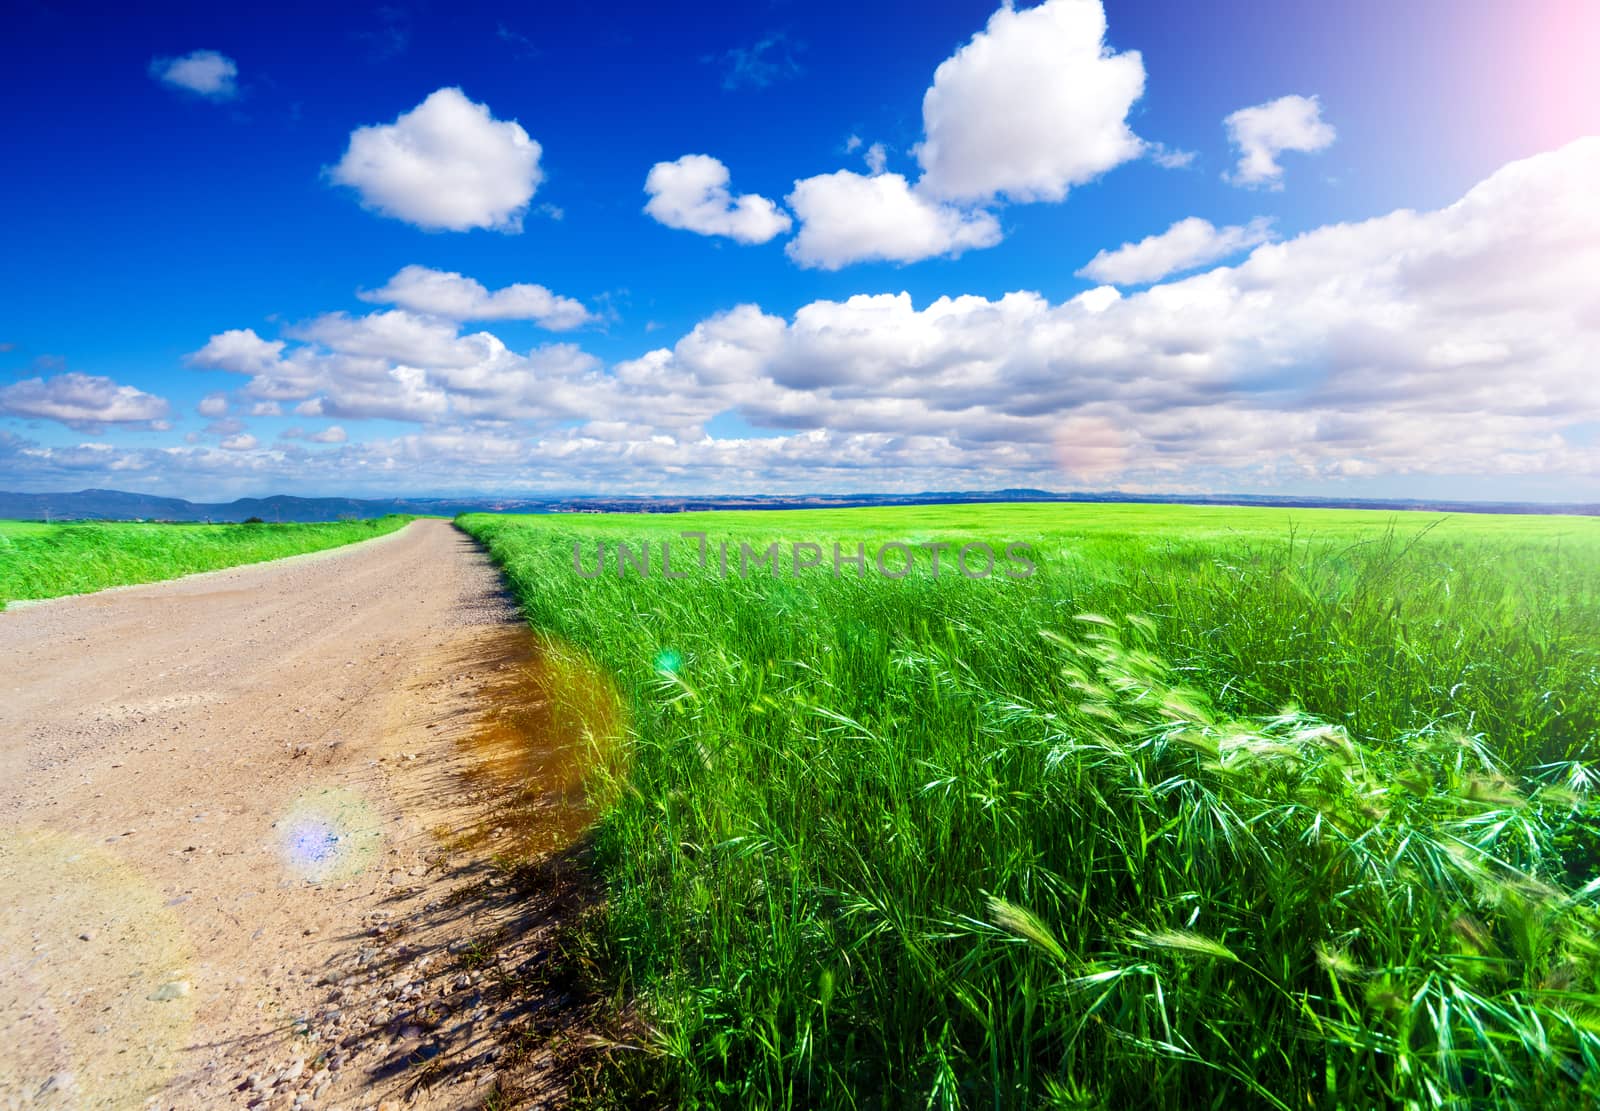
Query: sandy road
[218,797]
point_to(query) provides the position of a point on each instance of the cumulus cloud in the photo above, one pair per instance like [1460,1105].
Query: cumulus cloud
[1461,348]
[1186,245]
[241,442]
[213,405]
[82,401]
[398,365]
[1034,104]
[692,193]
[204,72]
[239,350]
[1264,131]
[847,217]
[456,297]
[445,165]
[394,335]
[227,426]
[333,434]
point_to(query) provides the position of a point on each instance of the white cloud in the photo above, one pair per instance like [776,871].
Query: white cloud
[400,393]
[242,442]
[1032,105]
[731,347]
[1463,349]
[691,193]
[266,409]
[1262,132]
[847,217]
[82,401]
[1454,343]
[213,405]
[446,164]
[400,366]
[455,297]
[333,434]
[205,73]
[394,334]
[558,381]
[1186,245]
[238,350]
[227,426]
[1169,158]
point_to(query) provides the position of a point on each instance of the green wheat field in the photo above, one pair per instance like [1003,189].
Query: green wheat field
[1219,808]
[39,560]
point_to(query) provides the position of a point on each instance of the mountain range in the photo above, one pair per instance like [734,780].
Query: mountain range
[118,505]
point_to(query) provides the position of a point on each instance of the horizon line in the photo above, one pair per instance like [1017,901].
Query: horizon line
[990,496]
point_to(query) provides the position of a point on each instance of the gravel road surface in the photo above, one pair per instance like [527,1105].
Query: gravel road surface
[232,818]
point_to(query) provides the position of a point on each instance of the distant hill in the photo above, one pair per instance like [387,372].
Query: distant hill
[118,505]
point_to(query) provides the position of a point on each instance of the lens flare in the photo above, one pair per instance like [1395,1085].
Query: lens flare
[669,661]
[329,834]
[77,918]
[554,736]
[1091,449]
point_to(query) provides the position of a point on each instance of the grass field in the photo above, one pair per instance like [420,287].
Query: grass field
[1219,808]
[48,560]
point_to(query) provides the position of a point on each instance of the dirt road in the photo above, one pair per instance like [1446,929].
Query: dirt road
[233,869]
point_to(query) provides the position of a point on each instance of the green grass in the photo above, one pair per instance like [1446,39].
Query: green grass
[12,530]
[1221,808]
[48,560]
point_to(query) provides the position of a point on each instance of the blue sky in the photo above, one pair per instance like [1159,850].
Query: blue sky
[182,185]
